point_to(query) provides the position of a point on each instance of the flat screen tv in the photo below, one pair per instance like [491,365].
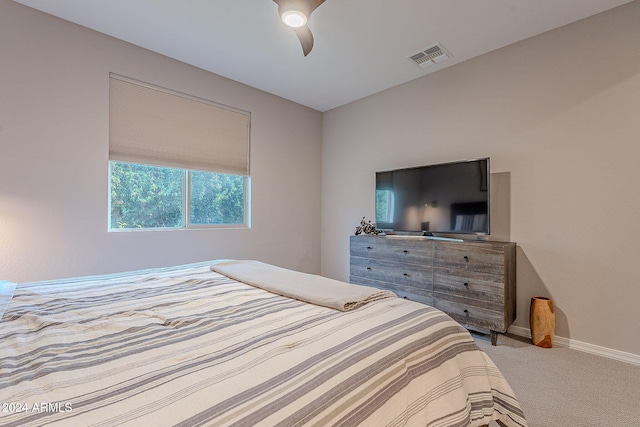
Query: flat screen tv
[447,198]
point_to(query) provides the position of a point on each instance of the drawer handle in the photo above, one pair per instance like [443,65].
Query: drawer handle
[369,248]
[406,275]
[369,269]
[465,284]
[466,258]
[466,311]
[405,251]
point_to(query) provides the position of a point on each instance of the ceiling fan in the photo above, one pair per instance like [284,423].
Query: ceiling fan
[296,13]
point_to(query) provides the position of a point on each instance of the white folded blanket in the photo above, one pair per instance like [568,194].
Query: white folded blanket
[310,288]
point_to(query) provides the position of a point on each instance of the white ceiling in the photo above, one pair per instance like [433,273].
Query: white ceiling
[361,46]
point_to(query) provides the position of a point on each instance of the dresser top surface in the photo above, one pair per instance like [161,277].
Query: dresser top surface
[397,237]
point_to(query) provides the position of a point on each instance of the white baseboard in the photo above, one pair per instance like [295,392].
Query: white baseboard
[582,346]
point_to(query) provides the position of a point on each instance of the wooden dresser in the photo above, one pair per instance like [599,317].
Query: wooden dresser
[474,282]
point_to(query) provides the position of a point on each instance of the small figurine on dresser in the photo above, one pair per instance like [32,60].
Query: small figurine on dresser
[366,227]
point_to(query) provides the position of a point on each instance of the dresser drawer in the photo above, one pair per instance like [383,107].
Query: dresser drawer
[418,294]
[469,284]
[392,272]
[470,258]
[409,251]
[463,310]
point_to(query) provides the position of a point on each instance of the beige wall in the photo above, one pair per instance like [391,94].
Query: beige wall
[54,151]
[559,114]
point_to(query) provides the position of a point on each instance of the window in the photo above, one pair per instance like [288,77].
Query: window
[145,196]
[176,161]
[216,198]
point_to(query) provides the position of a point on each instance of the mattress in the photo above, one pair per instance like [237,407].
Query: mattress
[188,346]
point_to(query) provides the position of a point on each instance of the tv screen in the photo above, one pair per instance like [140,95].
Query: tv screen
[442,198]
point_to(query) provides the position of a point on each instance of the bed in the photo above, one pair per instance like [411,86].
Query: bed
[191,346]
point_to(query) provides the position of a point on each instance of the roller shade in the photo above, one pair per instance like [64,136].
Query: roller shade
[153,125]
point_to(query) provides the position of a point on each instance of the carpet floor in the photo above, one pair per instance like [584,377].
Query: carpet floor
[564,387]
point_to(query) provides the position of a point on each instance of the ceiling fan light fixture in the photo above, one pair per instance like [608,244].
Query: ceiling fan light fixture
[295,14]
[294,18]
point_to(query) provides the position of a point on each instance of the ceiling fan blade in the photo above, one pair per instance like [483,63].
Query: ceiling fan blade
[306,6]
[313,4]
[306,38]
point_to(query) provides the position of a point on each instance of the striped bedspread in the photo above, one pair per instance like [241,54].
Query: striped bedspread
[187,346]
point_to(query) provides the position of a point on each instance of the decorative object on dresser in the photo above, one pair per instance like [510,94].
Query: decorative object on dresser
[542,321]
[366,227]
[474,282]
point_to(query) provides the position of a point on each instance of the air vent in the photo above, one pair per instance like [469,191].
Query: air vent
[430,56]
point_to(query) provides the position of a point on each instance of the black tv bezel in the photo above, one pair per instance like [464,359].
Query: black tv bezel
[390,231]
